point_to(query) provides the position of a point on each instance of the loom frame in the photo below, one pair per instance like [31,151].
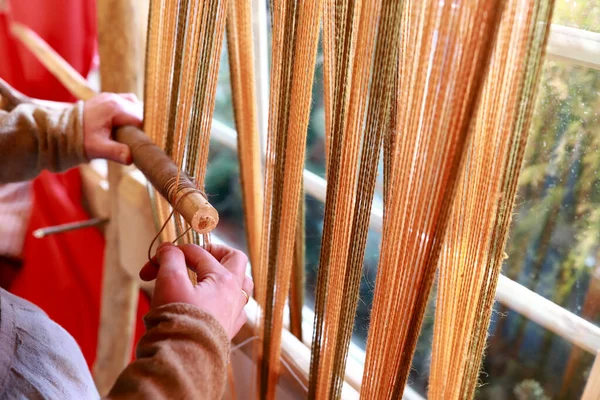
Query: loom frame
[136,224]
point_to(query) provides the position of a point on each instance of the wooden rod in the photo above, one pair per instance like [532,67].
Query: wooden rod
[158,168]
[549,315]
[52,230]
[58,66]
[592,387]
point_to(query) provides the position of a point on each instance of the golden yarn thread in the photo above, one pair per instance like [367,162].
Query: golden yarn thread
[441,69]
[468,278]
[284,165]
[419,107]
[241,65]
[341,173]
[350,263]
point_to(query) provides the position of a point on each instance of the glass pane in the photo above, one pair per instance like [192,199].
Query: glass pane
[225,194]
[522,361]
[554,243]
[582,14]
[223,105]
[315,142]
[223,172]
[314,233]
[315,139]
[525,361]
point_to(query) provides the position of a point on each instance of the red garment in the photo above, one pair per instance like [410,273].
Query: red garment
[69,27]
[62,274]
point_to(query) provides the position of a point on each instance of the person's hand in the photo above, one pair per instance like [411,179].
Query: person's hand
[100,115]
[221,281]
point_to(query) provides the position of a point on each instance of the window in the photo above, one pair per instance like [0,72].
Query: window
[554,244]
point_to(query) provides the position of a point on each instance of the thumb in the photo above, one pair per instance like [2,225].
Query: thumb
[115,151]
[172,263]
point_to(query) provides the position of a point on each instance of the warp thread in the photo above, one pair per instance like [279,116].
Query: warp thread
[173,187]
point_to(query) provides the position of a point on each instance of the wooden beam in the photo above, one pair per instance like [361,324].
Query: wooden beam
[549,315]
[575,46]
[592,387]
[61,69]
[136,229]
[119,45]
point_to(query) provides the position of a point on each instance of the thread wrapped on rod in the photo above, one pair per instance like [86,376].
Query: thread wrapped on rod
[162,173]
[156,166]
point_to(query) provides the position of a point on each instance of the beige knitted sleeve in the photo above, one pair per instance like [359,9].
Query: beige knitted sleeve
[183,355]
[34,138]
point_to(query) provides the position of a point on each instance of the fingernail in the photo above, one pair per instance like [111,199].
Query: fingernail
[161,247]
[124,157]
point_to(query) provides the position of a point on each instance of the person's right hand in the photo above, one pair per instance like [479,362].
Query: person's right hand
[221,281]
[101,114]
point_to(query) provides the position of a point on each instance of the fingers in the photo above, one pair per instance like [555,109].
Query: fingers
[172,265]
[201,261]
[220,251]
[114,151]
[124,109]
[248,286]
[149,271]
[204,264]
[239,322]
[128,114]
[234,260]
[101,115]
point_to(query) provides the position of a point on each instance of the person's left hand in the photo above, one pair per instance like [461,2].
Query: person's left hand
[101,114]
[222,289]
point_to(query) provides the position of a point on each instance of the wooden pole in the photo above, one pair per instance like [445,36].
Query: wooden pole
[58,66]
[592,387]
[120,48]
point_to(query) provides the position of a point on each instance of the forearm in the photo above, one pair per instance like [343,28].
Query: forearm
[34,138]
[183,354]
